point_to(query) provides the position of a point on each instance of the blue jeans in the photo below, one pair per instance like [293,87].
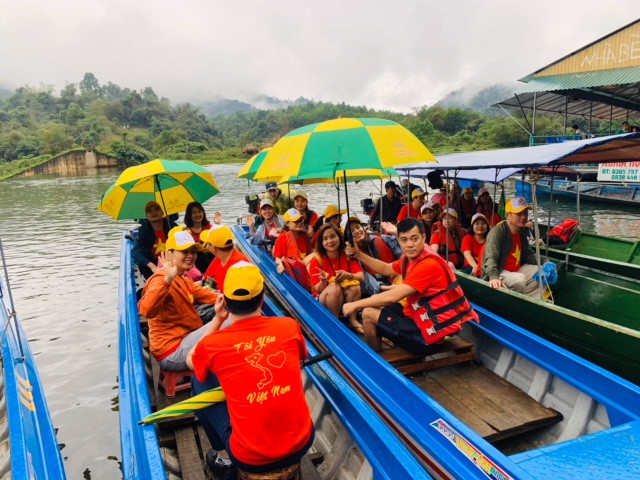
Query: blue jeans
[217,425]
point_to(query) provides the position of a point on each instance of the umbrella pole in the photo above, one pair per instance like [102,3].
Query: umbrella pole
[347,229]
[164,207]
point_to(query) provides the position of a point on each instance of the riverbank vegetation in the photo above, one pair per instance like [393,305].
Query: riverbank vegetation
[37,124]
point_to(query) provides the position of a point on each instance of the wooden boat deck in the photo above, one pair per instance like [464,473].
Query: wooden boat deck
[487,403]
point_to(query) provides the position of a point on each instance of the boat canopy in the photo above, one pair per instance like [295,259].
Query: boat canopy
[614,148]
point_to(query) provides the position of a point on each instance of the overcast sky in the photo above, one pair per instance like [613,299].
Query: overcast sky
[393,54]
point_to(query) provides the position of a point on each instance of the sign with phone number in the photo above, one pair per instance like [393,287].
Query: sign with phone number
[619,172]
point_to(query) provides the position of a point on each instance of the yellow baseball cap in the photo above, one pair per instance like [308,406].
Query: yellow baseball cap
[243,281]
[516,205]
[417,192]
[332,210]
[179,238]
[300,193]
[220,237]
[292,215]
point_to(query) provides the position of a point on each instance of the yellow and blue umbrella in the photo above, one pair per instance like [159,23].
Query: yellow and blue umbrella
[172,183]
[323,149]
[198,402]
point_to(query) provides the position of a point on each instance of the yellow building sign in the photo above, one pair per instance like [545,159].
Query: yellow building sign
[620,50]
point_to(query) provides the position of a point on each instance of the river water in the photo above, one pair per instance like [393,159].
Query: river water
[62,256]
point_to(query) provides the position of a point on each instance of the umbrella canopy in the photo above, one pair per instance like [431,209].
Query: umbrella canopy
[198,402]
[249,169]
[322,149]
[339,177]
[172,183]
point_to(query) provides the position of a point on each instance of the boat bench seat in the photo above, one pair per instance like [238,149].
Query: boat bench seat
[454,350]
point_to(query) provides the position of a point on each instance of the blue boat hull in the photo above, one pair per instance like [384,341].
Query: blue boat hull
[34,450]
[589,191]
[141,453]
[445,445]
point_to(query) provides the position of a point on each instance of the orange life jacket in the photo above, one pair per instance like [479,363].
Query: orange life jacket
[438,313]
[564,232]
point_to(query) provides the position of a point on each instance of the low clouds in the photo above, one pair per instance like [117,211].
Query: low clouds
[392,55]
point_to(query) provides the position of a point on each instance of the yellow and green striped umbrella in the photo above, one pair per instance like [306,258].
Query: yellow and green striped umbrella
[200,401]
[172,183]
[323,149]
[249,169]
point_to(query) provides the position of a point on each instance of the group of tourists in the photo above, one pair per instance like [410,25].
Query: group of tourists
[203,299]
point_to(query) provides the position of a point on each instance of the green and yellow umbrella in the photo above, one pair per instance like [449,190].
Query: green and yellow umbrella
[249,169]
[198,402]
[324,149]
[172,183]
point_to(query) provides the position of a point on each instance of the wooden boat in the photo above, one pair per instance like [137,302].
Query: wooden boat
[523,408]
[610,337]
[619,194]
[351,441]
[28,445]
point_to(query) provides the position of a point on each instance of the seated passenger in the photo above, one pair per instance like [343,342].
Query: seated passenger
[168,303]
[383,247]
[293,242]
[196,221]
[473,244]
[429,220]
[331,215]
[151,239]
[508,259]
[447,241]
[335,278]
[391,204]
[219,241]
[469,208]
[412,210]
[488,208]
[301,203]
[270,227]
[435,304]
[281,201]
[265,423]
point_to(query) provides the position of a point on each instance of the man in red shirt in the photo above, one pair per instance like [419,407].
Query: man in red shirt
[412,210]
[435,304]
[219,241]
[265,424]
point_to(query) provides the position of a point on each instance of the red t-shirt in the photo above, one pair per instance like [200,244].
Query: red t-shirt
[408,212]
[470,243]
[440,237]
[287,245]
[257,361]
[330,266]
[219,271]
[426,276]
[159,245]
[514,262]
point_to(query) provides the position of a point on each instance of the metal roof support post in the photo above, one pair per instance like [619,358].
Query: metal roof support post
[611,120]
[590,116]
[566,113]
[533,121]
[578,196]
[553,175]
[536,230]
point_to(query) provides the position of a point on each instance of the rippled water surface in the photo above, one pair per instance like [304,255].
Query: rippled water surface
[63,256]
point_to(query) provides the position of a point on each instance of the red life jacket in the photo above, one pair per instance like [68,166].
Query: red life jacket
[438,313]
[565,231]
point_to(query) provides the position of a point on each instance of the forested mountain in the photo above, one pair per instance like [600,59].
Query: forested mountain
[37,123]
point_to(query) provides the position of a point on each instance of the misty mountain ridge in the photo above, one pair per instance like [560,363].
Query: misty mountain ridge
[226,106]
[478,99]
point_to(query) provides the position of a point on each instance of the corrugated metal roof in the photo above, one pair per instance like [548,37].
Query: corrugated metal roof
[573,81]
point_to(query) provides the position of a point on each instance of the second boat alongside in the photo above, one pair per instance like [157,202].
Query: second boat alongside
[522,408]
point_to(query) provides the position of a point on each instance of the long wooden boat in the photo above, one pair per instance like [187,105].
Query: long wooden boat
[28,445]
[619,194]
[351,442]
[524,408]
